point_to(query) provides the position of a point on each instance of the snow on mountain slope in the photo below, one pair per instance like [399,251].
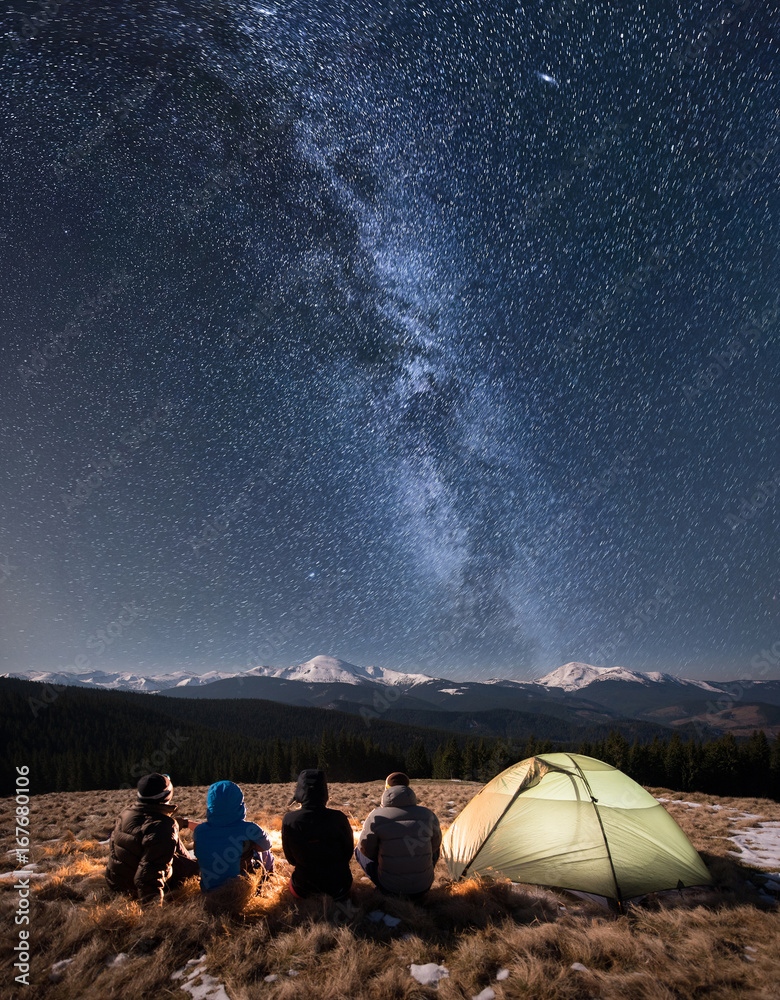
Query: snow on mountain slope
[575,676]
[103,680]
[570,677]
[331,670]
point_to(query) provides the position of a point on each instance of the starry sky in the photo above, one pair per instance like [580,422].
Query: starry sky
[442,338]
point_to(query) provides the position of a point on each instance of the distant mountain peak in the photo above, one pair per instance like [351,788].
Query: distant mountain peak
[325,669]
[574,676]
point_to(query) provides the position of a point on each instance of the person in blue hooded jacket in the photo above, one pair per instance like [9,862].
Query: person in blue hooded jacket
[226,845]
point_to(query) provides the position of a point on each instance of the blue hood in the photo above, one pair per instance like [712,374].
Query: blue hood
[225,804]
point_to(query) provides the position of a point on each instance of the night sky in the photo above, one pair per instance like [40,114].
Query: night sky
[438,338]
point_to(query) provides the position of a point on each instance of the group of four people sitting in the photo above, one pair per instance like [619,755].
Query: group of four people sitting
[398,846]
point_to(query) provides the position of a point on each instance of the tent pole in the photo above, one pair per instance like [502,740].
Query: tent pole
[594,800]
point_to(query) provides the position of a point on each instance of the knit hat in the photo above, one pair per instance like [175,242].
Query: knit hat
[155,788]
[396,778]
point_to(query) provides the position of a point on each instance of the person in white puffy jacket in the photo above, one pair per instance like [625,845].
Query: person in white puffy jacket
[400,842]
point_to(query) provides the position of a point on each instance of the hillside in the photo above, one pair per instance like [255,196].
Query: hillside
[83,739]
[515,941]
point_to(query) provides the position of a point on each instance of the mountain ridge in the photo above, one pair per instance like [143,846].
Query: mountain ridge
[326,669]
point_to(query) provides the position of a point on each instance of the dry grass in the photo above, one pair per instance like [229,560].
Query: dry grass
[674,946]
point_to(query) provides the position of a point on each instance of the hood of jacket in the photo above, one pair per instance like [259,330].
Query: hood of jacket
[399,796]
[225,804]
[312,788]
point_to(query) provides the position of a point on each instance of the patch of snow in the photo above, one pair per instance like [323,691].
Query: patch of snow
[486,994]
[430,974]
[759,845]
[18,874]
[55,973]
[682,802]
[578,967]
[502,974]
[271,979]
[377,916]
[207,988]
[115,960]
[293,972]
[450,690]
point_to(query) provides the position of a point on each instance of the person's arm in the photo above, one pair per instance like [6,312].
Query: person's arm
[158,846]
[289,846]
[262,843]
[348,838]
[368,843]
[435,838]
[259,837]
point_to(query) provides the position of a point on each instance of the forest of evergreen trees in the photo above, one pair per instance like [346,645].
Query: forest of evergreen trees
[90,740]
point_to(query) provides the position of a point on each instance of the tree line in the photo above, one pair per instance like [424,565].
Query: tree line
[92,740]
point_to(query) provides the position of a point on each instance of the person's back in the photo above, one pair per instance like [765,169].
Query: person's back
[400,842]
[318,841]
[225,843]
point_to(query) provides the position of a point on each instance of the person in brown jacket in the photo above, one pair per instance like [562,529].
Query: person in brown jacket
[145,854]
[400,842]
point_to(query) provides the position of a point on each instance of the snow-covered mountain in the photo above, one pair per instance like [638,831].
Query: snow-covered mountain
[576,676]
[331,670]
[571,678]
[319,670]
[121,681]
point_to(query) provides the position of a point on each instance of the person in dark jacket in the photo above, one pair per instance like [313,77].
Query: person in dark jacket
[145,854]
[226,845]
[400,842]
[317,841]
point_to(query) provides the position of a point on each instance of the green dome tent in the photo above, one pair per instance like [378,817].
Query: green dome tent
[573,822]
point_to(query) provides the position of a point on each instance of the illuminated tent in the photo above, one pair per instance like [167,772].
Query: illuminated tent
[572,822]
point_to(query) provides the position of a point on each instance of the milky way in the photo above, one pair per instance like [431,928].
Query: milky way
[440,338]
